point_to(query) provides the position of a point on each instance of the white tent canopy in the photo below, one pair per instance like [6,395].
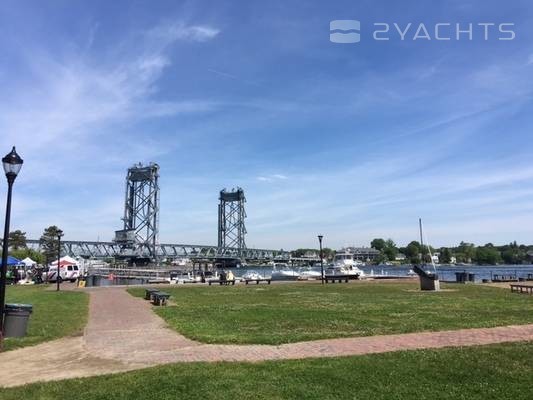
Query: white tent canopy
[28,262]
[66,259]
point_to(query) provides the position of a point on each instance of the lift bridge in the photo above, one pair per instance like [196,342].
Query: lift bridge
[139,238]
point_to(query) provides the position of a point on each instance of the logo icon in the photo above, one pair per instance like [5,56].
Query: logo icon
[345,31]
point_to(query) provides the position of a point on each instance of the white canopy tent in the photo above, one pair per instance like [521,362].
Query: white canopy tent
[28,262]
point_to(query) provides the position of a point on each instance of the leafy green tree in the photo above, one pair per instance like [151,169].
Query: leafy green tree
[390,250]
[467,252]
[412,252]
[487,256]
[17,240]
[378,244]
[445,255]
[49,243]
[21,254]
[514,255]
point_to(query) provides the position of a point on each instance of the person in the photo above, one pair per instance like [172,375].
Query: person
[230,276]
[223,276]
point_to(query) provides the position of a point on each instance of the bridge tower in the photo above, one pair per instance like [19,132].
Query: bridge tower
[231,228]
[141,211]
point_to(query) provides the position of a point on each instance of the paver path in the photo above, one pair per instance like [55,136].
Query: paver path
[124,334]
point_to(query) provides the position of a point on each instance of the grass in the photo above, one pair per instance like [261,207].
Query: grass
[55,314]
[278,314]
[484,372]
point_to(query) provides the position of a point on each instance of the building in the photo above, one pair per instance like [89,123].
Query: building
[365,254]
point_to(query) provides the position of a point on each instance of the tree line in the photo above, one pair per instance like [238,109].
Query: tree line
[48,241]
[465,252]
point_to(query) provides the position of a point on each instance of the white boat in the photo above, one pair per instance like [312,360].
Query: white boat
[345,264]
[309,274]
[339,271]
[284,275]
[252,275]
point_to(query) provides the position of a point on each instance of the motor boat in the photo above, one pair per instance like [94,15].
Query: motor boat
[309,274]
[343,271]
[345,263]
[252,275]
[284,275]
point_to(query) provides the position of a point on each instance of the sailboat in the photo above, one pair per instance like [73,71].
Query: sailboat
[428,280]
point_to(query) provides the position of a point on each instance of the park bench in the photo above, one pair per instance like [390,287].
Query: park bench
[339,278]
[222,282]
[257,281]
[149,293]
[160,298]
[522,288]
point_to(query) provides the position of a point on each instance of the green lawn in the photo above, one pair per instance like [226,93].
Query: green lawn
[54,314]
[486,373]
[295,312]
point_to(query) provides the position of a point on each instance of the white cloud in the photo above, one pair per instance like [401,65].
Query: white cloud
[180,31]
[272,177]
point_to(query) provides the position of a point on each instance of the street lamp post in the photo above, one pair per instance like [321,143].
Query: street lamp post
[58,277]
[12,164]
[321,259]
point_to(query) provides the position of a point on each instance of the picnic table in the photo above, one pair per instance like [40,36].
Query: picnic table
[518,288]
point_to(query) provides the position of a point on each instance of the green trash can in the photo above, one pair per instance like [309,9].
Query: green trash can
[16,318]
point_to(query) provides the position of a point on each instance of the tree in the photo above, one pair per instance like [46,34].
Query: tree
[390,251]
[21,254]
[412,252]
[487,256]
[17,239]
[445,256]
[49,243]
[513,255]
[378,244]
[466,252]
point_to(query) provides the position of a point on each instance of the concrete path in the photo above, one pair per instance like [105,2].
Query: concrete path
[124,334]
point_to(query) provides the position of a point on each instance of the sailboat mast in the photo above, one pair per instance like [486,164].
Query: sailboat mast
[421,240]
[421,234]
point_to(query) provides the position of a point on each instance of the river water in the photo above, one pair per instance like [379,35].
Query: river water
[445,272]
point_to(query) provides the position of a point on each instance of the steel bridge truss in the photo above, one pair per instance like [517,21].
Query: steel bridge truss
[141,210]
[231,228]
[102,250]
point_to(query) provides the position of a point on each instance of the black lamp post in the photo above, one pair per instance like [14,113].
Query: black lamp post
[321,259]
[58,276]
[12,164]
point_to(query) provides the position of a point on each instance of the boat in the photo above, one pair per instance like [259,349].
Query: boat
[252,275]
[336,271]
[345,263]
[284,274]
[309,274]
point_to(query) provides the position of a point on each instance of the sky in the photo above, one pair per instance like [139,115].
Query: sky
[349,140]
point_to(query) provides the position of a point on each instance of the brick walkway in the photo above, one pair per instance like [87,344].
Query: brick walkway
[124,334]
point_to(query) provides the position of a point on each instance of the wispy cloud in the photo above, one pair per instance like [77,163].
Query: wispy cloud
[272,177]
[179,31]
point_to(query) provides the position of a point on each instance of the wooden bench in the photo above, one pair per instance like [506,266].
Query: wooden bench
[149,293]
[522,288]
[257,281]
[160,298]
[339,278]
[221,282]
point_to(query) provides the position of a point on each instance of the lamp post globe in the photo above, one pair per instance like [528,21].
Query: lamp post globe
[12,164]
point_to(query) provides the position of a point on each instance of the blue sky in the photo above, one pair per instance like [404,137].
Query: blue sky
[353,141]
